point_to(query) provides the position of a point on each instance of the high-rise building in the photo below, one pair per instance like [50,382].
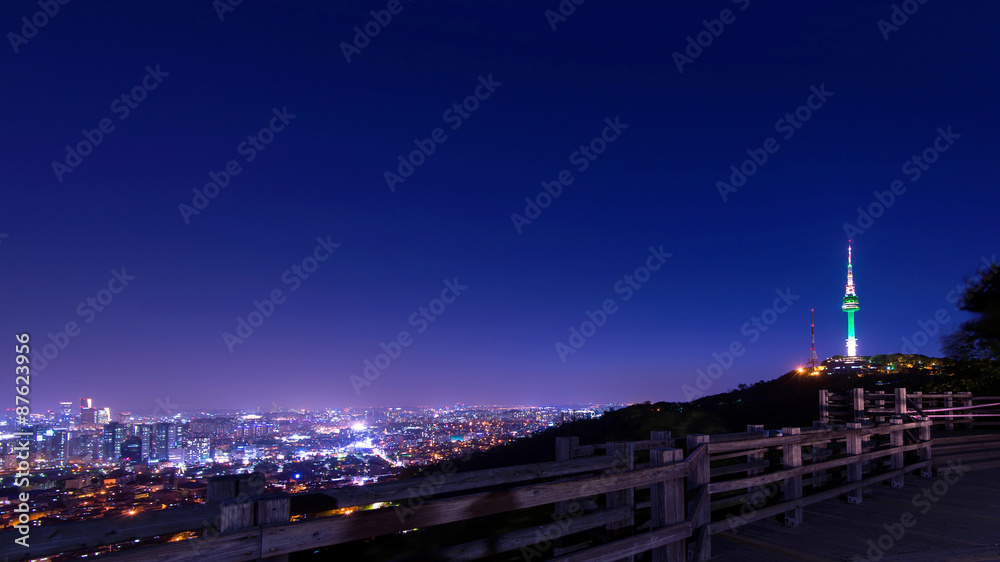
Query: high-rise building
[103,416]
[65,412]
[145,435]
[86,445]
[59,446]
[132,449]
[112,439]
[201,449]
[86,403]
[850,306]
[166,436]
[177,456]
[88,416]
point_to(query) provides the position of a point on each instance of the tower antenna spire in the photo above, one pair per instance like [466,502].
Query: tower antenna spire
[850,306]
[813,359]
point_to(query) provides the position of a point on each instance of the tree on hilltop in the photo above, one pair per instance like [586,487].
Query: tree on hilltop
[975,345]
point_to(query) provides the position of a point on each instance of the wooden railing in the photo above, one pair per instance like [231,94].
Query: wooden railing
[947,410]
[763,474]
[594,502]
[594,489]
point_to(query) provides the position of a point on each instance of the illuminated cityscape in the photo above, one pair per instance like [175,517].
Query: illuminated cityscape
[85,469]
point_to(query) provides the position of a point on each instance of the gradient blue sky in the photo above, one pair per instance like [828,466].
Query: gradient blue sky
[161,338]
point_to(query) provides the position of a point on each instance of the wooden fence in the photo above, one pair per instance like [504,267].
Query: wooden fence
[947,410]
[609,501]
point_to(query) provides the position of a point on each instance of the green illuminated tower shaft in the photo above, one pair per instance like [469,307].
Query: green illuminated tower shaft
[850,306]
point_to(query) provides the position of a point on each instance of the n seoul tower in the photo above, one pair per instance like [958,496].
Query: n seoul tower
[850,307]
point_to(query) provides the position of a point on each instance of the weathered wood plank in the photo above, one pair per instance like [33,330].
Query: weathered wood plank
[461,481]
[244,545]
[667,503]
[527,539]
[326,531]
[806,438]
[80,535]
[791,457]
[731,485]
[738,468]
[630,546]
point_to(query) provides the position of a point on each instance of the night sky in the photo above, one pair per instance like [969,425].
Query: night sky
[317,205]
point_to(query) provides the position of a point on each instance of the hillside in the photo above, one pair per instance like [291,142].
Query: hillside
[789,400]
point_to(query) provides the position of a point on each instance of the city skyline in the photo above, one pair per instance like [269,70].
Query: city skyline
[482,204]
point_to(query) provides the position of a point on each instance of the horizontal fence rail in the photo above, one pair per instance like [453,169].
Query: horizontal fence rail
[947,410]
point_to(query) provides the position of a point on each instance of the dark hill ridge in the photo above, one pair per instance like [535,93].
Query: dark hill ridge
[787,401]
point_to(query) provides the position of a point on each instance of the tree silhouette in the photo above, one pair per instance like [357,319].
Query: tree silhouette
[975,345]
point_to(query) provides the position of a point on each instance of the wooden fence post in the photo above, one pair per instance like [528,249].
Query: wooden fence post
[858,400]
[924,434]
[624,460]
[854,469]
[896,459]
[753,457]
[969,420]
[900,402]
[700,546]
[950,424]
[824,406]
[236,514]
[667,504]
[274,509]
[564,452]
[660,436]
[791,457]
[245,486]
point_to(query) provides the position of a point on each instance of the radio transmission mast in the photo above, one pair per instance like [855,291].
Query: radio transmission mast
[813,359]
